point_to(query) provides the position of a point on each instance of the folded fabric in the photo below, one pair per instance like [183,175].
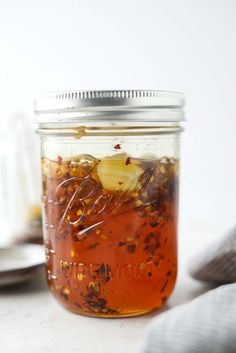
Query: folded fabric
[218,263]
[204,325]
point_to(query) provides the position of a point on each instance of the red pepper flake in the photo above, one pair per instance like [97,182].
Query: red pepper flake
[149,274]
[164,286]
[103,273]
[120,182]
[154,223]
[92,246]
[164,299]
[117,147]
[131,248]
[157,261]
[64,293]
[151,236]
[92,300]
[150,249]
[59,160]
[122,243]
[128,161]
[154,219]
[169,273]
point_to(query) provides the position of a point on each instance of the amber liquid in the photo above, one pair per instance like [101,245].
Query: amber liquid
[110,254]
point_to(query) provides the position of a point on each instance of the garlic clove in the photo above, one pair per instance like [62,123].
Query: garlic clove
[119,173]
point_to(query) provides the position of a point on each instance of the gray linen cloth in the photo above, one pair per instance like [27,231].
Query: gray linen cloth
[207,324]
[218,263]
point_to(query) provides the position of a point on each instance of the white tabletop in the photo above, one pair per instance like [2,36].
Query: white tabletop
[32,321]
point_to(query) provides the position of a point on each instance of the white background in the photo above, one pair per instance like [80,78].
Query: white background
[178,45]
[184,45]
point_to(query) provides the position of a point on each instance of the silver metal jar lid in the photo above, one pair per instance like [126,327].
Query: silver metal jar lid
[116,104]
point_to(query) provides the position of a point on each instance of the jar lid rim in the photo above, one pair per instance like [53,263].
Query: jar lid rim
[110,101]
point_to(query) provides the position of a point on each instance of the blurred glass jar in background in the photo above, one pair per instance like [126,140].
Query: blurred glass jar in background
[110,166]
[20,212]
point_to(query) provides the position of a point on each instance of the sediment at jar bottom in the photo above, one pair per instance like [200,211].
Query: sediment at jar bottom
[128,311]
[110,234]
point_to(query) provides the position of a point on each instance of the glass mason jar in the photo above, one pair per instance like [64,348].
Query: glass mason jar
[110,169]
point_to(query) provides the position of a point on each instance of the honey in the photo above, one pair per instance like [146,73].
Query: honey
[110,232]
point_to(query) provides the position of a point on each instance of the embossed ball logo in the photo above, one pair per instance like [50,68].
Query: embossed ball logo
[100,208]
